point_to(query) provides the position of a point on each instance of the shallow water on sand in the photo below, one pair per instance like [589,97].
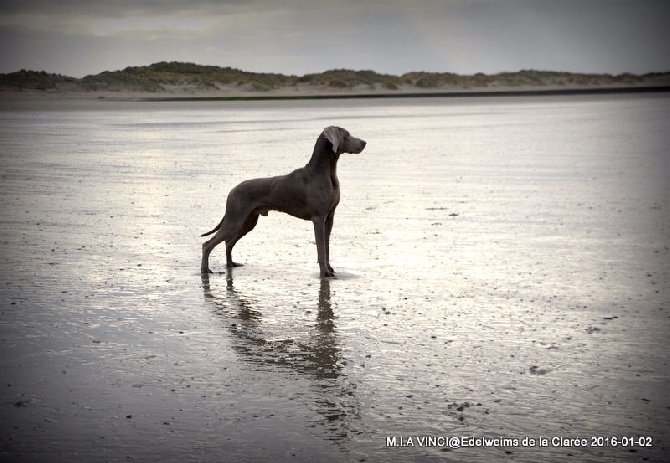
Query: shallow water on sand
[502,273]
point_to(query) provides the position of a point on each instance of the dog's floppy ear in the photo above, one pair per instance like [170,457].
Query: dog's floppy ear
[333,135]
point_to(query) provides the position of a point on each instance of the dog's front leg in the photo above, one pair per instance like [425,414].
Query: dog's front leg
[329,227]
[320,237]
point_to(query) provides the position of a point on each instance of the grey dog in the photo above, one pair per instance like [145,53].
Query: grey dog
[309,193]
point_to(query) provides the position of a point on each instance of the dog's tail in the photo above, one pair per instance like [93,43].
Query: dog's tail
[215,228]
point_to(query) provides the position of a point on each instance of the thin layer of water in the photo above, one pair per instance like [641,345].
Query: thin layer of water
[502,272]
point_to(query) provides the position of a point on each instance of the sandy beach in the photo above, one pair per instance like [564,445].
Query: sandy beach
[501,274]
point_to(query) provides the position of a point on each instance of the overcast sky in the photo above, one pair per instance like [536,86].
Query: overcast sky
[80,37]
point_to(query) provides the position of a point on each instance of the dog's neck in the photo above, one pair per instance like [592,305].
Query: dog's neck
[323,158]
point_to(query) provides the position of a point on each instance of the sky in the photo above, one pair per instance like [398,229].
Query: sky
[81,37]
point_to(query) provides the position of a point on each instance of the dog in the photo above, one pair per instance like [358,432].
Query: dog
[309,193]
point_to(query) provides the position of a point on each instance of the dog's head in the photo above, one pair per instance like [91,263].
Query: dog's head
[343,141]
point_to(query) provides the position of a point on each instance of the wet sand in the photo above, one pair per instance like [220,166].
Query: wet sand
[502,273]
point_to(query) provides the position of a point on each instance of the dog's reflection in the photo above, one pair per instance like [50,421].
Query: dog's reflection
[311,349]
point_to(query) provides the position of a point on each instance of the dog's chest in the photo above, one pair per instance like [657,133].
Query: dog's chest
[328,191]
[335,198]
[335,182]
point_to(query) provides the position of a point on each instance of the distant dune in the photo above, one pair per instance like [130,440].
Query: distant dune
[177,79]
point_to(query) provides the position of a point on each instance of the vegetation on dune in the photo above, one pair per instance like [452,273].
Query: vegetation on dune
[346,78]
[187,76]
[35,80]
[120,81]
[190,77]
[523,78]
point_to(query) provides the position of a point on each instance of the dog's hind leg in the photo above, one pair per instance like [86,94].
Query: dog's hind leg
[207,247]
[249,224]
[225,231]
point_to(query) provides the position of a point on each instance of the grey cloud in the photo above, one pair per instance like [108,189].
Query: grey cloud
[114,8]
[298,36]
